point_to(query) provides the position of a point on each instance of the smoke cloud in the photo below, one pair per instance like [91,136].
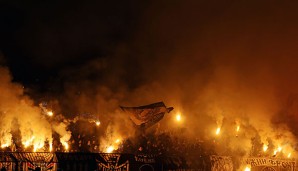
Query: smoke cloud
[220,64]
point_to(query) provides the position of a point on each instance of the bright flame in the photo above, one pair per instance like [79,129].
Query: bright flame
[4,145]
[247,168]
[289,155]
[237,128]
[28,142]
[97,123]
[178,117]
[117,141]
[275,151]
[265,147]
[37,146]
[279,149]
[51,147]
[217,131]
[110,149]
[50,113]
[65,144]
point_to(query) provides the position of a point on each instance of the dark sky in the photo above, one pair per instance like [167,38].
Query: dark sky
[237,57]
[41,38]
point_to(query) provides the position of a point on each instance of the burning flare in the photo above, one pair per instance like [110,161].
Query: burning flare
[28,142]
[110,149]
[217,131]
[4,145]
[265,147]
[247,168]
[178,117]
[50,113]
[237,128]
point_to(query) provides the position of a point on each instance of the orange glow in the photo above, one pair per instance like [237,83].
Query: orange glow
[97,123]
[51,147]
[28,142]
[217,131]
[247,168]
[110,149]
[289,155]
[4,145]
[50,113]
[237,128]
[178,117]
[66,146]
[265,147]
[117,141]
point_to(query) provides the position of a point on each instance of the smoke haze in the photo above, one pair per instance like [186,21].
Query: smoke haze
[221,64]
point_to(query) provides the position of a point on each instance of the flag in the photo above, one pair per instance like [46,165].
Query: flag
[30,166]
[147,115]
[50,165]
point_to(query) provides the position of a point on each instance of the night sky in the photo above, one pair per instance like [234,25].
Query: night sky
[235,58]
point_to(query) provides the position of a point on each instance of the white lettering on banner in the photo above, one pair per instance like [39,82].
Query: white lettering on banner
[145,158]
[288,164]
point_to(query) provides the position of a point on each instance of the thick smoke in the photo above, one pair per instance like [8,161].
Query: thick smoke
[220,64]
[18,113]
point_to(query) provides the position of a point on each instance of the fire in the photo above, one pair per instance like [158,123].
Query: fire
[37,146]
[110,149]
[237,128]
[97,123]
[217,131]
[51,147]
[50,113]
[279,149]
[4,145]
[247,168]
[28,142]
[289,155]
[65,144]
[117,141]
[178,117]
[265,147]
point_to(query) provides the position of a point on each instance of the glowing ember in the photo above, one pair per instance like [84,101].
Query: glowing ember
[50,113]
[178,117]
[110,149]
[97,123]
[247,168]
[265,147]
[217,131]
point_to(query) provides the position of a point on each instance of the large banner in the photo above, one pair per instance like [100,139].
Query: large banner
[270,164]
[111,162]
[147,115]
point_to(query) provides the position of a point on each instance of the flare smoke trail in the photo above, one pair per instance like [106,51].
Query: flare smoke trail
[18,112]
